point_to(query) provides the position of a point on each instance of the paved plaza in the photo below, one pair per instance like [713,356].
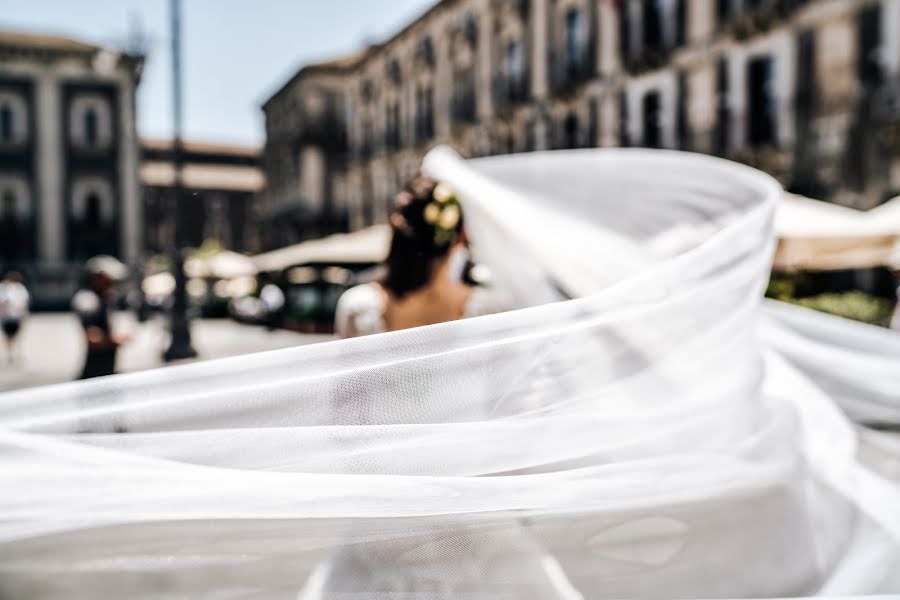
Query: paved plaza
[51,348]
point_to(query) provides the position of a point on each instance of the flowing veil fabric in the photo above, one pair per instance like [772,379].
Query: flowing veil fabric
[644,426]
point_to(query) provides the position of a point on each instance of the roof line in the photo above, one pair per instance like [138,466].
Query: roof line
[362,57]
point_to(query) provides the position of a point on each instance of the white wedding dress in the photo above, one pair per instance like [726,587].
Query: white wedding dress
[644,426]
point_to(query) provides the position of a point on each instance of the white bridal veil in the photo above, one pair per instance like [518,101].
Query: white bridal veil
[644,427]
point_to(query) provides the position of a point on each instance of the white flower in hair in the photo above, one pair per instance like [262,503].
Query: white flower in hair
[449,217]
[442,193]
[432,213]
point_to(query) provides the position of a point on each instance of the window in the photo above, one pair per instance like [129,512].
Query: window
[762,104]
[426,51]
[652,120]
[723,10]
[576,42]
[723,111]
[570,130]
[624,135]
[680,22]
[90,122]
[424,113]
[470,29]
[90,128]
[870,46]
[395,74]
[514,68]
[92,211]
[624,32]
[392,126]
[464,94]
[681,120]
[6,124]
[367,91]
[653,19]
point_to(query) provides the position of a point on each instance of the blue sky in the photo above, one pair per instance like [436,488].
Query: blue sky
[236,52]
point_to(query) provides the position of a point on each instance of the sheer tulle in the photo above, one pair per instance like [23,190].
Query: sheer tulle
[645,426]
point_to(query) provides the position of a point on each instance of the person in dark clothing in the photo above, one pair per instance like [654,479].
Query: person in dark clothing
[91,304]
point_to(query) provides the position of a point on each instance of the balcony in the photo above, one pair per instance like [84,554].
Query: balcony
[325,129]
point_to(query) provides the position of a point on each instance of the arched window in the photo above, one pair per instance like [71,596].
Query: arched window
[570,128]
[653,20]
[395,73]
[652,121]
[576,42]
[470,29]
[92,211]
[515,69]
[6,123]
[90,128]
[426,51]
[763,110]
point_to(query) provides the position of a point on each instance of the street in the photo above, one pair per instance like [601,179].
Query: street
[51,349]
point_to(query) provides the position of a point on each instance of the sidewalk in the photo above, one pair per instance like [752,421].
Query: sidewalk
[51,348]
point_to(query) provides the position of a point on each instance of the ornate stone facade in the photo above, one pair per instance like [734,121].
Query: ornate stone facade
[68,159]
[805,89]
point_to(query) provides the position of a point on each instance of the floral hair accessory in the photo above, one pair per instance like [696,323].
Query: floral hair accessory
[449,217]
[443,194]
[432,213]
[444,213]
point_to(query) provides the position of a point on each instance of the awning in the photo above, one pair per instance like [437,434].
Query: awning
[819,236]
[367,246]
[197,176]
[221,265]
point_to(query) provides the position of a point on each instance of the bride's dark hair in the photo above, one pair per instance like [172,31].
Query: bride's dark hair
[424,226]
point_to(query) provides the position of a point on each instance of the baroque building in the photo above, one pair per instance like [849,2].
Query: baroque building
[69,157]
[220,184]
[808,90]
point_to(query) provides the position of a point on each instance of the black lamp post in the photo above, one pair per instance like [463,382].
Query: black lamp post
[180,346]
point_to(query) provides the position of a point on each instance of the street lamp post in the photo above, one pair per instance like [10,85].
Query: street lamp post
[180,346]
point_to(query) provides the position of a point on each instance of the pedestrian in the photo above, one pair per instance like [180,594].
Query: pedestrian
[273,299]
[894,264]
[91,303]
[14,301]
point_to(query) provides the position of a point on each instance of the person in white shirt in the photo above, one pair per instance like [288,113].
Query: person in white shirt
[894,263]
[273,299]
[14,301]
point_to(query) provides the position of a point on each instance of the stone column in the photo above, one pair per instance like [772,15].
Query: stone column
[443,81]
[538,62]
[483,62]
[50,136]
[608,47]
[131,212]
[890,33]
[540,88]
[785,57]
[701,21]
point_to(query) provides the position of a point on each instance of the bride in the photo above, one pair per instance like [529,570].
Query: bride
[423,283]
[642,425]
